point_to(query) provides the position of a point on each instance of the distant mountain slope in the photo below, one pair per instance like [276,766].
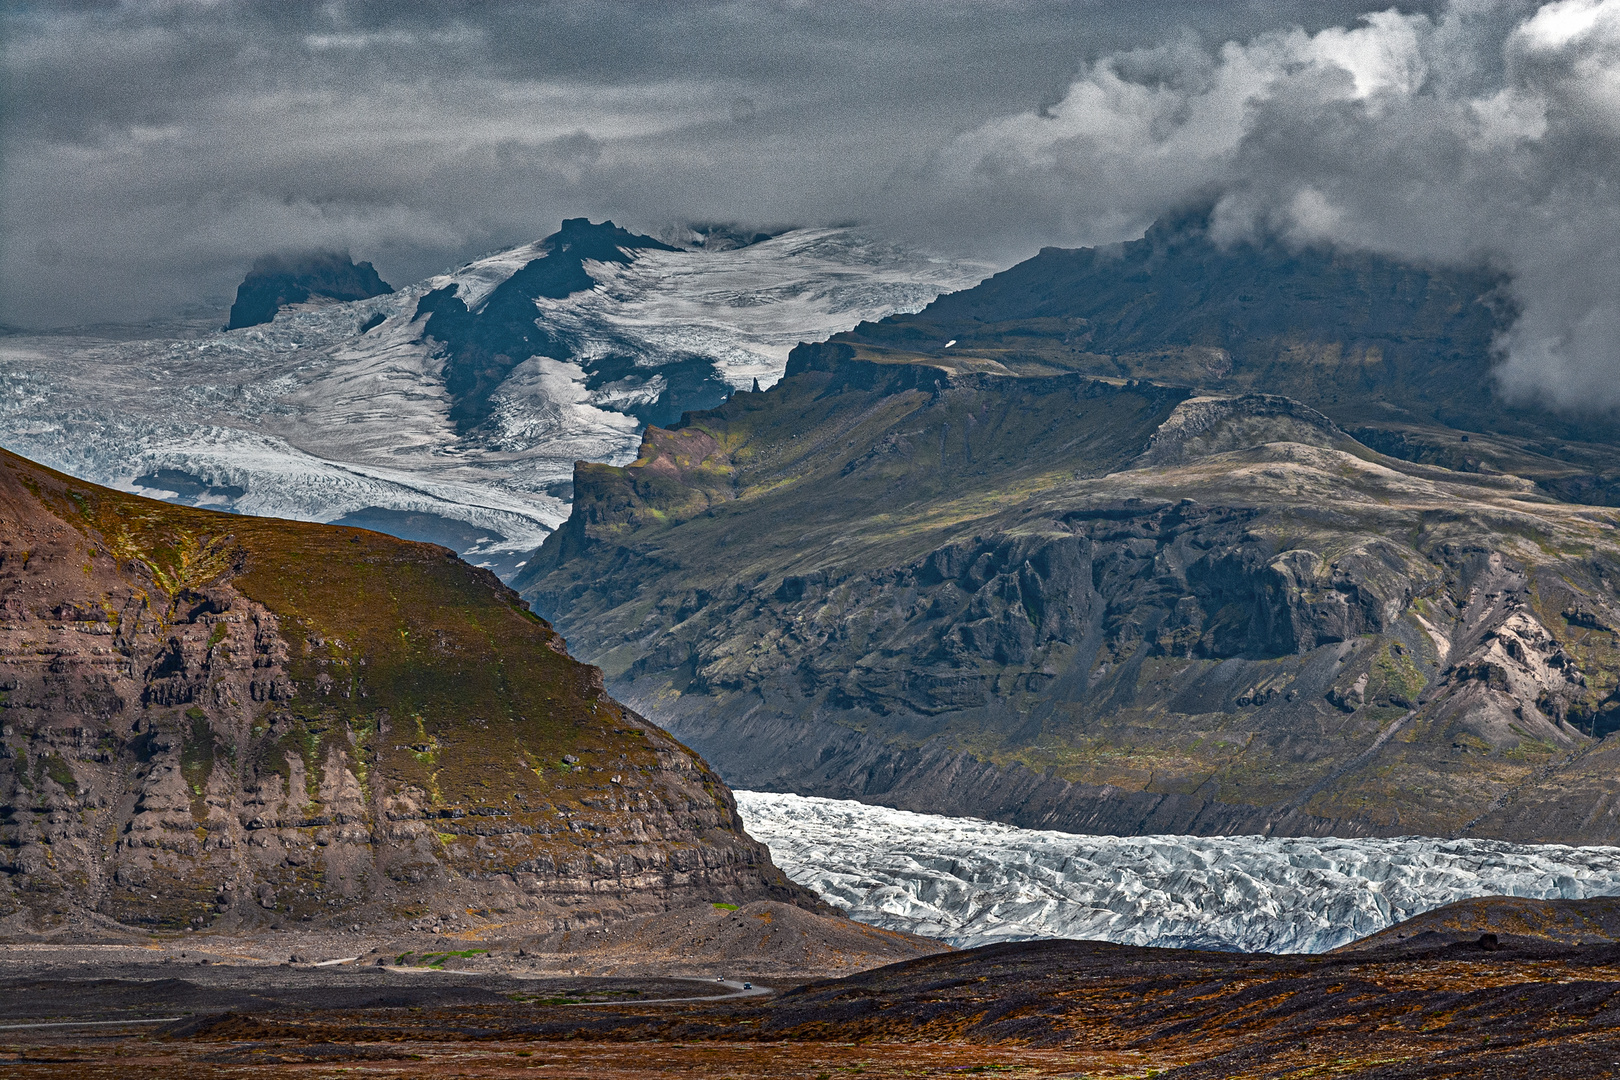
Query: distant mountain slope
[454,409]
[1270,309]
[1401,356]
[1099,605]
[224,721]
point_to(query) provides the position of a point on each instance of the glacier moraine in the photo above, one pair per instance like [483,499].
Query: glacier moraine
[972,882]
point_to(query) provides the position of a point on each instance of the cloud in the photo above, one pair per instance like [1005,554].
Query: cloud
[150,149]
[1482,132]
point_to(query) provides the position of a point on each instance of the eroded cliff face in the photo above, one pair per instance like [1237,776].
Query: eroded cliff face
[1102,607]
[225,722]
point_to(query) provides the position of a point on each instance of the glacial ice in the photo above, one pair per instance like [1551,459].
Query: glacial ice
[315,420]
[973,882]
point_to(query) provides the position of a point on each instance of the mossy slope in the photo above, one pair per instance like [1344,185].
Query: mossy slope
[214,720]
[1099,604]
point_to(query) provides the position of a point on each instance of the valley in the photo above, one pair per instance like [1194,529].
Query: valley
[1417,1009]
[1207,630]
[832,541]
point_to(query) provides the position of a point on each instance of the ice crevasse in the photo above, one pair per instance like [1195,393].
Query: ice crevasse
[972,882]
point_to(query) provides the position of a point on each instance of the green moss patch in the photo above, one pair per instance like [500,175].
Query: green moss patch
[197,753]
[435,960]
[56,767]
[1395,676]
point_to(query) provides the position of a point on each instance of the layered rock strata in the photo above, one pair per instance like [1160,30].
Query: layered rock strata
[225,722]
[1100,605]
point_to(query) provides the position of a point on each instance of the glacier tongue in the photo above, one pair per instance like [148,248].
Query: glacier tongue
[972,882]
[312,417]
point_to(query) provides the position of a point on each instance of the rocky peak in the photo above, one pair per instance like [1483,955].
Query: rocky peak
[581,240]
[483,345]
[278,280]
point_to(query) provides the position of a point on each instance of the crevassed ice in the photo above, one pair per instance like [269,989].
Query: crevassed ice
[973,882]
[305,417]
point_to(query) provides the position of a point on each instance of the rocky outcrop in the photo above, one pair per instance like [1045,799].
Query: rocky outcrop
[1496,922]
[1103,607]
[213,721]
[278,280]
[482,344]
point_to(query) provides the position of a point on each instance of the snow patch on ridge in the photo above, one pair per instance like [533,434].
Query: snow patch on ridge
[973,882]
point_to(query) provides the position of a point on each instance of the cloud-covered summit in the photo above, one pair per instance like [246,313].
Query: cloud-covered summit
[1488,132]
[152,150]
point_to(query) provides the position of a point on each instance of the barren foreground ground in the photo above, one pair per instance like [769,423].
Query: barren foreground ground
[1427,1007]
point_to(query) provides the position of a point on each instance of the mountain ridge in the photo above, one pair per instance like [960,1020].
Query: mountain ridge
[1402,356]
[967,580]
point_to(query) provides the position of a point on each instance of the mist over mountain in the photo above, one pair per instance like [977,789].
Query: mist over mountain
[1476,133]
[277,280]
[1438,133]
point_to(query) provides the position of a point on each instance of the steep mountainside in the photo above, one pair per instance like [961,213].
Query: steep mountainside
[220,721]
[454,410]
[1400,356]
[1100,605]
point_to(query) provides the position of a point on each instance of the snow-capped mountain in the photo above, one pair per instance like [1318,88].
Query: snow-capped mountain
[452,410]
[973,882]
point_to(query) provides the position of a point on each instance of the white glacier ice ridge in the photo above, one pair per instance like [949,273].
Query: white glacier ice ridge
[972,882]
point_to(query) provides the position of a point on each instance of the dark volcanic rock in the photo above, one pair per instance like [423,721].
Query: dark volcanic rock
[484,344]
[1069,603]
[276,280]
[1494,921]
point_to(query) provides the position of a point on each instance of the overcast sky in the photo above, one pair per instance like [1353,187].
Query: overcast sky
[151,150]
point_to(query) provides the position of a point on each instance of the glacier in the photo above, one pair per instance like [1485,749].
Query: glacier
[973,882]
[309,417]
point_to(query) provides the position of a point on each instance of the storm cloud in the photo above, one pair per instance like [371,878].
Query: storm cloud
[1483,133]
[152,150]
